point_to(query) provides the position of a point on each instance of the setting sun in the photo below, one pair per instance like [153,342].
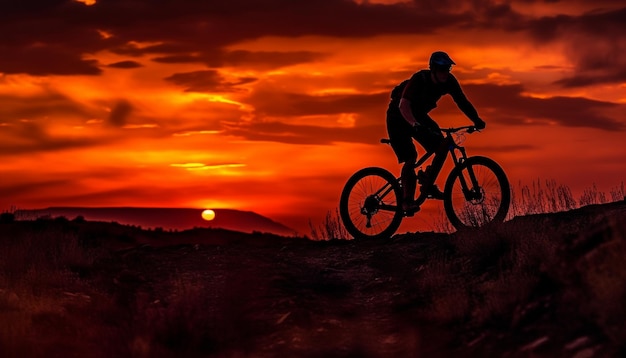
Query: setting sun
[208,215]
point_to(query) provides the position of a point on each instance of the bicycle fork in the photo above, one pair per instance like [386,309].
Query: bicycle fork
[473,193]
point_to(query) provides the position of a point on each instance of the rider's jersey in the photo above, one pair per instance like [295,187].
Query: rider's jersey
[424,94]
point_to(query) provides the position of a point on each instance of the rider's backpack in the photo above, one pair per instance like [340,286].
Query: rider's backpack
[396,93]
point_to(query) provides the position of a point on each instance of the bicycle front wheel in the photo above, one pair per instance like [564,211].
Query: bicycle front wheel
[369,204]
[477,193]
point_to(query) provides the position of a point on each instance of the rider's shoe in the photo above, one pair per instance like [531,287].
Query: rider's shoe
[410,207]
[432,192]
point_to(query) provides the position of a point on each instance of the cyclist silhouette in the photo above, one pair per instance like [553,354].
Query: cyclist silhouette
[408,119]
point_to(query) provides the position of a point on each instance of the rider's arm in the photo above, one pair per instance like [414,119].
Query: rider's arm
[461,100]
[407,113]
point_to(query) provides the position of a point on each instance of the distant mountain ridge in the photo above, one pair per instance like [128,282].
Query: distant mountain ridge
[167,218]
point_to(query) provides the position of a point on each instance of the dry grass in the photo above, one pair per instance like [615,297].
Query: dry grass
[63,292]
[550,197]
[539,197]
[517,272]
[331,228]
[40,287]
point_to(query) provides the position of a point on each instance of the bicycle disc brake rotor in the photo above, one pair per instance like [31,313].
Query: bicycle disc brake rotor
[477,197]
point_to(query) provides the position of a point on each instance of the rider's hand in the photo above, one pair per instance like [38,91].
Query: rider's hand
[479,123]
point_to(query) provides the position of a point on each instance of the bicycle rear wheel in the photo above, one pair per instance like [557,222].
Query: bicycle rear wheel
[369,204]
[477,193]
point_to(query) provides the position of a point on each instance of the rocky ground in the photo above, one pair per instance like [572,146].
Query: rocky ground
[551,285]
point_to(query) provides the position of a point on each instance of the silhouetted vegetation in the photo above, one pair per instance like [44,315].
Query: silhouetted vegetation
[539,197]
[543,284]
[331,228]
[7,217]
[550,197]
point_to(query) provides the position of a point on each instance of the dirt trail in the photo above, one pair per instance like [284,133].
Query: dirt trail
[544,286]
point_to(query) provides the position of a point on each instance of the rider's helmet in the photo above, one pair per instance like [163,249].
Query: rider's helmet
[440,60]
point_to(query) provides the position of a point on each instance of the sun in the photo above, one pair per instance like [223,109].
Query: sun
[208,215]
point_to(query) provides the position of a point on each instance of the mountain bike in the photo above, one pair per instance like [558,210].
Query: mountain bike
[476,193]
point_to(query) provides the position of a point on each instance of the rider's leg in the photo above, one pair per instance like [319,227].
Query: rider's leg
[433,141]
[401,136]
[409,181]
[433,170]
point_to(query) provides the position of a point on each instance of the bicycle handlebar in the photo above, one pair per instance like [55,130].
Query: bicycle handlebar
[469,129]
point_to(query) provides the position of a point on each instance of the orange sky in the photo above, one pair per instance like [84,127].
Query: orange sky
[271,105]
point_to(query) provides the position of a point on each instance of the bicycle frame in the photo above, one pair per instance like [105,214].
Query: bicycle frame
[457,159]
[470,194]
[476,193]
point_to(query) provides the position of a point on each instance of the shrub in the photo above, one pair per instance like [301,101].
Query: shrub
[79,219]
[7,217]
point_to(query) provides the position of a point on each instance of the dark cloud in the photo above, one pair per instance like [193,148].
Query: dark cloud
[186,58]
[207,81]
[587,79]
[9,189]
[597,23]
[65,31]
[37,188]
[302,134]
[48,38]
[270,103]
[125,64]
[120,113]
[56,37]
[269,59]
[136,193]
[43,59]
[491,15]
[595,43]
[28,138]
[14,108]
[260,60]
[510,101]
[169,49]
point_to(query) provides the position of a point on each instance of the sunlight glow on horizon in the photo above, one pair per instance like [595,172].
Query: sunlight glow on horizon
[202,166]
[87,2]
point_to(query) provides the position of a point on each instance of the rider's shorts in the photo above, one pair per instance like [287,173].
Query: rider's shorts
[401,135]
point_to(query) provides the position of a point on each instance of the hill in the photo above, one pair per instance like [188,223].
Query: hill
[549,285]
[167,218]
